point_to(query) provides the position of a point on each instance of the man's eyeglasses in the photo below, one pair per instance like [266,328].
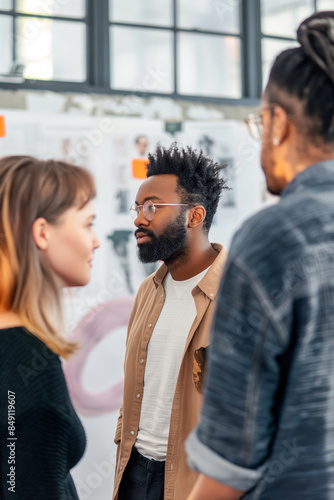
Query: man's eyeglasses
[254,122]
[149,209]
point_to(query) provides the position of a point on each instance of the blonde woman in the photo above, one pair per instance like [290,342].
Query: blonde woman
[47,242]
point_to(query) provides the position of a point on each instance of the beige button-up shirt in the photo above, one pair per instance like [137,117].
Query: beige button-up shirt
[179,479]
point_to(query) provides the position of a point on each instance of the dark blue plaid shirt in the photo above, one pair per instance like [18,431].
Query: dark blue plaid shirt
[267,424]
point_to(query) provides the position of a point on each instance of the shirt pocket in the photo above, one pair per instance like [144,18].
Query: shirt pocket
[199,367]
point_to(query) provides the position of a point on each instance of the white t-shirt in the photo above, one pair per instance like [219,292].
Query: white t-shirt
[164,355]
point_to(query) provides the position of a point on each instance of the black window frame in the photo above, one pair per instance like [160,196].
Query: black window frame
[98,54]
[175,30]
[54,85]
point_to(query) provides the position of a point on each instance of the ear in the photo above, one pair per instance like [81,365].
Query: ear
[40,232]
[281,125]
[196,216]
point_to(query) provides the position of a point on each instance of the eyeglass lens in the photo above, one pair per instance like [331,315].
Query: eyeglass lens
[255,126]
[148,210]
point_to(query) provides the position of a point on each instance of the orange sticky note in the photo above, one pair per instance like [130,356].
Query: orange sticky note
[2,126]
[139,168]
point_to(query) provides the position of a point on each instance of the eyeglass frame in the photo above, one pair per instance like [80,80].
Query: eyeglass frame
[137,208]
[256,119]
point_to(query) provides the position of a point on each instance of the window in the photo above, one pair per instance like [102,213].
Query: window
[141,59]
[279,21]
[217,50]
[182,47]
[48,38]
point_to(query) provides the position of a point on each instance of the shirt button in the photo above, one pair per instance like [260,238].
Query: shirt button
[132,433]
[121,468]
[138,395]
[211,294]
[141,361]
[150,325]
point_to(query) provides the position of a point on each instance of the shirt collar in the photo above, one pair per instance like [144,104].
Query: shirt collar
[210,282]
[318,173]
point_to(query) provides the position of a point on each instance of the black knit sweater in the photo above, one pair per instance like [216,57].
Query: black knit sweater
[41,436]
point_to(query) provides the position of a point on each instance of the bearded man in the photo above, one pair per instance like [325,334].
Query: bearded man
[169,324]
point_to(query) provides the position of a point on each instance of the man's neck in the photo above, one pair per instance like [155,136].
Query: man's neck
[198,258]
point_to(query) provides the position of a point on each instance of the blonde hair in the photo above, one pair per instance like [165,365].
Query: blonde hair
[29,189]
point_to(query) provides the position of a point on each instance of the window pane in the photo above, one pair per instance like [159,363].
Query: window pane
[142,11]
[325,5]
[6,43]
[282,17]
[213,15]
[141,59]
[271,49]
[70,8]
[209,65]
[6,4]
[52,50]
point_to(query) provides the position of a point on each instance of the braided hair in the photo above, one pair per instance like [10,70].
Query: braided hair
[199,179]
[307,73]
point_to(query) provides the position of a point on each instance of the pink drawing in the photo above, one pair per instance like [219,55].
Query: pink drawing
[92,328]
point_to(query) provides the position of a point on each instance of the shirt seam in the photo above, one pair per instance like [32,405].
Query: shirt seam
[262,297]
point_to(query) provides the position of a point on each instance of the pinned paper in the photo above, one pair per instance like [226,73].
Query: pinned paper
[139,168]
[2,126]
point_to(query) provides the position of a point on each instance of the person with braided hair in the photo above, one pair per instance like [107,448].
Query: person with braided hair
[267,422]
[169,325]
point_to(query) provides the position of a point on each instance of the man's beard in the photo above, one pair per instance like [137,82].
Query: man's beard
[168,247]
